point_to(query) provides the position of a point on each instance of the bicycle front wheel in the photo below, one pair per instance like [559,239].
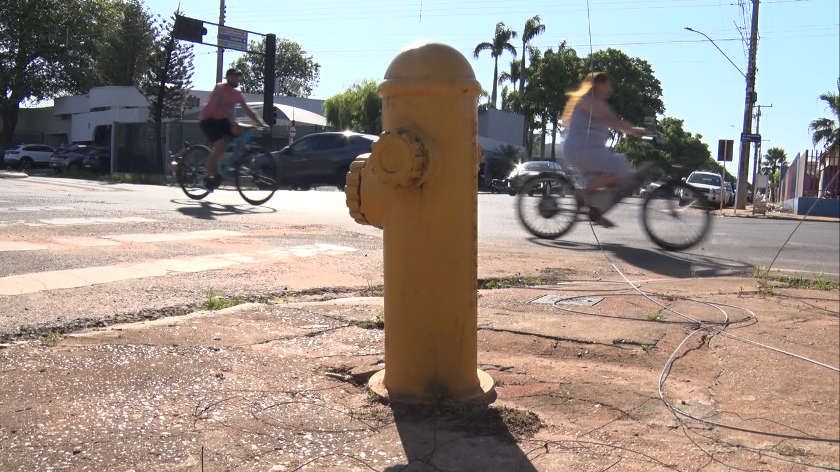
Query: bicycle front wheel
[547,206]
[256,177]
[190,171]
[676,216]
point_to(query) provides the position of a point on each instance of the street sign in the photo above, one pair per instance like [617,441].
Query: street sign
[292,132]
[725,147]
[232,38]
[754,138]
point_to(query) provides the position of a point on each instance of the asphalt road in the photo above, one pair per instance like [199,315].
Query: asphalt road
[750,242]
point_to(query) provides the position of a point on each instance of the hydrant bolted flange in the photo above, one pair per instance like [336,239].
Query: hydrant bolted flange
[398,159]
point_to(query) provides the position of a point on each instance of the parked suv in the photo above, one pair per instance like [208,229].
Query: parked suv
[26,156]
[320,159]
[707,183]
[70,158]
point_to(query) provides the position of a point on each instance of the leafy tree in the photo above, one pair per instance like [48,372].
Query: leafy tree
[512,76]
[484,100]
[826,130]
[169,79]
[297,73]
[533,28]
[774,159]
[359,108]
[44,47]
[500,44]
[126,49]
[501,161]
[636,92]
[676,147]
[556,73]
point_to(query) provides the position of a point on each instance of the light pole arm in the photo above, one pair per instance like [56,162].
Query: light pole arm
[719,49]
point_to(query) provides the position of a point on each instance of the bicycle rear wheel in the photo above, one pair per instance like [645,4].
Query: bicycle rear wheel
[256,177]
[676,216]
[547,206]
[191,170]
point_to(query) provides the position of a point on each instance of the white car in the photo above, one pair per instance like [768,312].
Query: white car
[26,156]
[708,184]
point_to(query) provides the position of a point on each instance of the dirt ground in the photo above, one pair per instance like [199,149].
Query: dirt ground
[279,386]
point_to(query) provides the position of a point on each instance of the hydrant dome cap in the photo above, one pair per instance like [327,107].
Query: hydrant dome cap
[424,59]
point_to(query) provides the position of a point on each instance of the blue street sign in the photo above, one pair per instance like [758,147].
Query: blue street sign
[232,38]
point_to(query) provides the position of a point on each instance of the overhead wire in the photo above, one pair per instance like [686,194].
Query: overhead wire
[714,327]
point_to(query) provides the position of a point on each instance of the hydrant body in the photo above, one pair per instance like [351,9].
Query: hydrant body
[420,185]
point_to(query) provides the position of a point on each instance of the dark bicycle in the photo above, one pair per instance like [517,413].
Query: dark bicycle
[255,177]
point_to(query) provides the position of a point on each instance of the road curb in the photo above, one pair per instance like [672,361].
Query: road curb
[13,175]
[784,218]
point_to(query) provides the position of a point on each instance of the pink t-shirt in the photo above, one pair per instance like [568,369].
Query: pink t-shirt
[230,97]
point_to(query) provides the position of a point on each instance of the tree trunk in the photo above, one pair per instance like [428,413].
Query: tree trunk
[495,81]
[9,111]
[554,138]
[544,125]
[522,68]
[161,96]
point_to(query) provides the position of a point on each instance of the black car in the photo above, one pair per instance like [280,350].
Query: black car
[320,159]
[98,161]
[523,171]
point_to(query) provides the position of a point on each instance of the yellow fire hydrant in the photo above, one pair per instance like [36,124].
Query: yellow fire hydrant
[419,184]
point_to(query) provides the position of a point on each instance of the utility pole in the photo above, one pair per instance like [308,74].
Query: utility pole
[744,158]
[757,158]
[220,52]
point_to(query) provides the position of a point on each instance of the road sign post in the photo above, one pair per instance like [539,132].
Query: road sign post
[292,133]
[725,147]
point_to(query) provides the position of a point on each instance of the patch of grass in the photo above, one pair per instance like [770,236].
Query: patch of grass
[820,282]
[512,281]
[648,348]
[761,272]
[769,290]
[654,316]
[791,451]
[51,339]
[377,322]
[215,301]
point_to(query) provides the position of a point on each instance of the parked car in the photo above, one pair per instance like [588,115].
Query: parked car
[98,161]
[26,156]
[649,188]
[70,158]
[525,170]
[320,159]
[730,194]
[707,183]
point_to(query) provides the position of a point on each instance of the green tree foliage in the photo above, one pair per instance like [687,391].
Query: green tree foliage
[511,76]
[44,48]
[533,28]
[826,130]
[297,73]
[773,160]
[497,47]
[169,79]
[502,160]
[125,52]
[359,108]
[636,92]
[676,147]
[557,72]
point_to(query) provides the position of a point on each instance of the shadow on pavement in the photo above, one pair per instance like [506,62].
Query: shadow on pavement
[476,437]
[680,265]
[210,211]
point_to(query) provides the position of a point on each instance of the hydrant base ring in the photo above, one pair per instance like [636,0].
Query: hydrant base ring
[486,393]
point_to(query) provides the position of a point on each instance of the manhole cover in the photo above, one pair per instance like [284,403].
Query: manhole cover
[554,299]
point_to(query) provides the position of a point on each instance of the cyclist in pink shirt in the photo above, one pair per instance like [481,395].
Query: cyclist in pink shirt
[218,122]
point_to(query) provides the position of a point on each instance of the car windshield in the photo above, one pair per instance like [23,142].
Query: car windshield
[705,179]
[536,165]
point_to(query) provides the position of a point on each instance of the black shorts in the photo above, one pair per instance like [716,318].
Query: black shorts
[216,129]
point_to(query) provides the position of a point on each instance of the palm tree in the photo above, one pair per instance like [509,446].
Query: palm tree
[774,159]
[533,28]
[500,44]
[825,130]
[513,76]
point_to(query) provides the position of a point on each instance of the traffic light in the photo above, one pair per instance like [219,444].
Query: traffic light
[189,29]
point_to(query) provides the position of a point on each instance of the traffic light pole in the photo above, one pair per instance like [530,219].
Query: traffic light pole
[268,88]
[744,158]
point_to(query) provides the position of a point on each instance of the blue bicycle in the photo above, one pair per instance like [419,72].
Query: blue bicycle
[255,177]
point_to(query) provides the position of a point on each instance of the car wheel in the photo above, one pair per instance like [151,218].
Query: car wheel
[26,163]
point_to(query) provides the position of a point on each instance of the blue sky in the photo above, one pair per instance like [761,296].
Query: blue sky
[798,52]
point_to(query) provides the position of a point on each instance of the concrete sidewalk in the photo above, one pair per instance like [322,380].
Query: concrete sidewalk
[748,213]
[280,386]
